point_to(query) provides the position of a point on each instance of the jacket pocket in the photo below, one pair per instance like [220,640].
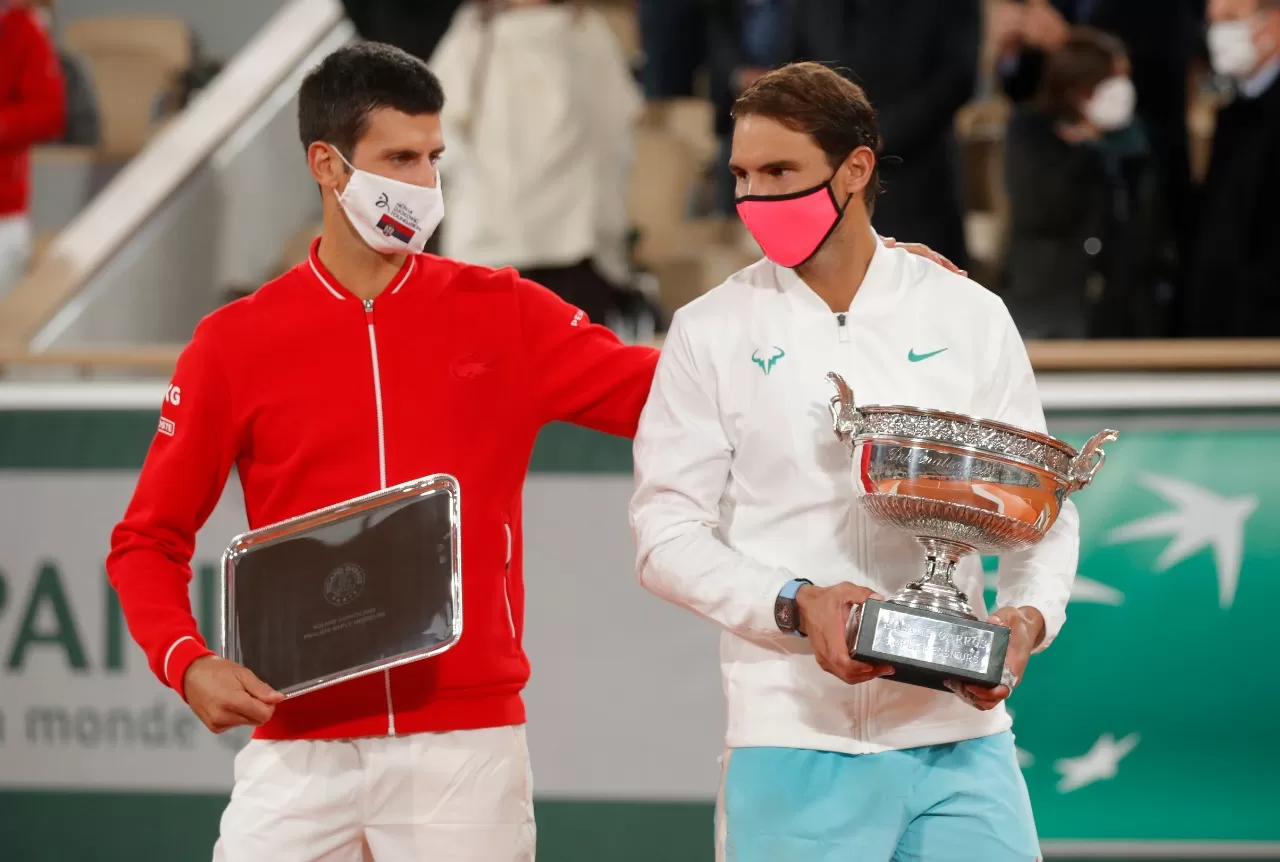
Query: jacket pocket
[506,581]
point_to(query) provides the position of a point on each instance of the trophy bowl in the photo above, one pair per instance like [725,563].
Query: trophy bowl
[959,485]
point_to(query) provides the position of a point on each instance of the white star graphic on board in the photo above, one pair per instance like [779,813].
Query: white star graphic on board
[1082,590]
[1200,519]
[1100,763]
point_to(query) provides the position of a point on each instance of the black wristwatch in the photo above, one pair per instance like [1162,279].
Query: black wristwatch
[786,613]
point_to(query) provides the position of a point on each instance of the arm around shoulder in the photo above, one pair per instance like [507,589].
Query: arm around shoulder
[578,371]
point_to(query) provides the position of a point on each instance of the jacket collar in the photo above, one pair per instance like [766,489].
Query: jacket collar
[335,288]
[881,285]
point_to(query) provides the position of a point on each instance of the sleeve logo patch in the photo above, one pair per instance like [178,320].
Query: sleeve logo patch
[166,426]
[577,318]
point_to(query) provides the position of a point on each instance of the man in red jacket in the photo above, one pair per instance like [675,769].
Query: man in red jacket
[369,365]
[32,109]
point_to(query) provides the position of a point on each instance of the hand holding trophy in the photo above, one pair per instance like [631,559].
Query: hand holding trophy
[958,485]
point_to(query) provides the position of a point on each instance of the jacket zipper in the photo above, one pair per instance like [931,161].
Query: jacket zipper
[860,706]
[382,474]
[506,583]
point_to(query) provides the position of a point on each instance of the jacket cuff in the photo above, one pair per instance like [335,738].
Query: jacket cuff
[766,622]
[181,653]
[1054,613]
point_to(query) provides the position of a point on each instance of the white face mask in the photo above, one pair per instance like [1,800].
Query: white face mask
[1231,49]
[391,216]
[1112,104]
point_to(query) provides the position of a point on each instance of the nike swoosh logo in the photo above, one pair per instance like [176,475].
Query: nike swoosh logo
[912,356]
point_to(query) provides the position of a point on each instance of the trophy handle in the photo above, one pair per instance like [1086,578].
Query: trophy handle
[845,418]
[1090,459]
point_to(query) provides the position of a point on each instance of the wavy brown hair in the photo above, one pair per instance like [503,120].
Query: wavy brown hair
[823,104]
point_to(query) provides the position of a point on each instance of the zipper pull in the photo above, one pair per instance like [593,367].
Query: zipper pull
[368,311]
[842,326]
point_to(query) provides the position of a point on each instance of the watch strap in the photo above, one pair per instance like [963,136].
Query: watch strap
[786,611]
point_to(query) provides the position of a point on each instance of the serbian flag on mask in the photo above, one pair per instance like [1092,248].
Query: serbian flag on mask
[391,227]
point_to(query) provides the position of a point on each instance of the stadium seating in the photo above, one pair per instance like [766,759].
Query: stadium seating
[135,64]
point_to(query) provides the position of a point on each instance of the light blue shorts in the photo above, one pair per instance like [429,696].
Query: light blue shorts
[959,802]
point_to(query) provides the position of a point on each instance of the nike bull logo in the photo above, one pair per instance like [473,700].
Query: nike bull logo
[766,365]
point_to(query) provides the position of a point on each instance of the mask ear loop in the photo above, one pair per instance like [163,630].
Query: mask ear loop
[350,167]
[840,208]
[831,192]
[351,172]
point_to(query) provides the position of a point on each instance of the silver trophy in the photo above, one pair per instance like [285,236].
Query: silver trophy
[958,485]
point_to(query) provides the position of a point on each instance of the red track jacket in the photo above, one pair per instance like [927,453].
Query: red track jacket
[315,398]
[33,102]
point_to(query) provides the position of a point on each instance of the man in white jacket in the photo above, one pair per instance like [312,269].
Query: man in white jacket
[745,507]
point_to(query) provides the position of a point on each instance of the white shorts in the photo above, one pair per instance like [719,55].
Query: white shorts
[15,251]
[465,796]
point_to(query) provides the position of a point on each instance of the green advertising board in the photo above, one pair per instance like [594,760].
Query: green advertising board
[1150,723]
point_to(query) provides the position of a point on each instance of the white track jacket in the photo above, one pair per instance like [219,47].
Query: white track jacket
[742,485]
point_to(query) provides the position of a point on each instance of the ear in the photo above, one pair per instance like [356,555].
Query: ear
[327,168]
[856,171]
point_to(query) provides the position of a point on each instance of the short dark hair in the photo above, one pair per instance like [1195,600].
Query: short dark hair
[823,104]
[338,95]
[1084,61]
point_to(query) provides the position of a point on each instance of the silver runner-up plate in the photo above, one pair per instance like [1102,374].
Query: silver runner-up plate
[352,589]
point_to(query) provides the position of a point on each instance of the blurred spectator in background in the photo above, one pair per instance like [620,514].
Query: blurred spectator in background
[1161,38]
[415,26]
[1069,208]
[917,60]
[83,127]
[538,125]
[673,37]
[1235,274]
[32,109]
[746,39]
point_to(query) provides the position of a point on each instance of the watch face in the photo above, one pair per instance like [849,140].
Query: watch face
[785,615]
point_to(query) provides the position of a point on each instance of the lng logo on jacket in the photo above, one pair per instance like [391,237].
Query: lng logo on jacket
[766,365]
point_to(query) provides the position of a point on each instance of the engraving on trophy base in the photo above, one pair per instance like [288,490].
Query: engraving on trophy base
[927,648]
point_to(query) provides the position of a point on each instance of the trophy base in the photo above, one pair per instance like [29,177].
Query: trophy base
[926,648]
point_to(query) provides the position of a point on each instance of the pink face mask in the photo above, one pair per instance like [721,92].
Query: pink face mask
[791,228]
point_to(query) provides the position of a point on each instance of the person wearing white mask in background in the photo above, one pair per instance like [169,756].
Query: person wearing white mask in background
[1070,211]
[1235,271]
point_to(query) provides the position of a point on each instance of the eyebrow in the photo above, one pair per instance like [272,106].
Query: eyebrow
[391,153]
[781,164]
